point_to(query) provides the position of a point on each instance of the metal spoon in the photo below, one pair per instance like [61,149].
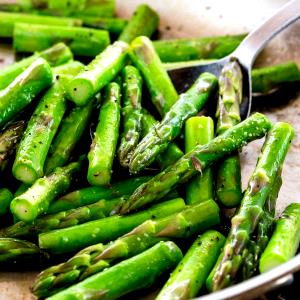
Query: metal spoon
[245,54]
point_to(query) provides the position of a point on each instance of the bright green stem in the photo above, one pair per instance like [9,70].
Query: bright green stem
[5,198]
[131,111]
[189,276]
[98,73]
[18,94]
[77,237]
[197,160]
[113,25]
[35,201]
[38,136]
[250,212]
[56,55]
[196,48]
[158,138]
[82,41]
[138,272]
[199,131]
[104,144]
[144,22]
[285,240]
[145,58]
[71,68]
[68,136]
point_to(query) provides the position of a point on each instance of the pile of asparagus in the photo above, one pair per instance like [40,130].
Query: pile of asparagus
[74,137]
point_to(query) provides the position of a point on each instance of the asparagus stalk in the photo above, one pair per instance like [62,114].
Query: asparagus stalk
[40,131]
[190,274]
[69,134]
[8,141]
[71,68]
[144,22]
[158,138]
[96,258]
[56,55]
[98,73]
[228,183]
[113,25]
[197,160]
[104,144]
[5,198]
[77,237]
[171,154]
[35,201]
[16,96]
[8,21]
[199,131]
[144,57]
[197,48]
[92,194]
[137,272]
[131,110]
[285,240]
[82,41]
[100,209]
[250,212]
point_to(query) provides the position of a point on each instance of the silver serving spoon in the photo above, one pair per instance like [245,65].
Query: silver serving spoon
[245,54]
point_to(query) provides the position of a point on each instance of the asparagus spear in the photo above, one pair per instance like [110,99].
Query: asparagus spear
[82,41]
[71,68]
[8,21]
[5,198]
[92,194]
[100,231]
[157,140]
[98,73]
[113,25]
[285,240]
[199,131]
[35,201]
[228,183]
[131,110]
[190,274]
[96,258]
[137,272]
[8,140]
[56,55]
[144,57]
[197,160]
[64,219]
[171,154]
[69,134]
[144,21]
[16,96]
[40,131]
[245,220]
[104,144]
[197,48]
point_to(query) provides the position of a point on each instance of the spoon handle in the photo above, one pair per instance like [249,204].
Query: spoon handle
[260,36]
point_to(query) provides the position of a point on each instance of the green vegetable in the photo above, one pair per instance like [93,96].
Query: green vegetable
[190,274]
[68,69]
[77,237]
[113,25]
[18,94]
[35,200]
[98,73]
[137,272]
[5,198]
[144,21]
[251,210]
[285,240]
[158,138]
[131,111]
[82,41]
[104,144]
[144,57]
[199,131]
[197,160]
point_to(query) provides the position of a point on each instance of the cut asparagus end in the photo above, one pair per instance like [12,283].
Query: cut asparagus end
[269,262]
[25,173]
[23,210]
[80,91]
